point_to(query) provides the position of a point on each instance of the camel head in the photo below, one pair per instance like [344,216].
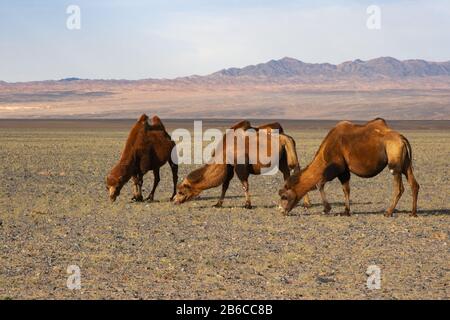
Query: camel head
[185,192]
[288,200]
[114,184]
[288,195]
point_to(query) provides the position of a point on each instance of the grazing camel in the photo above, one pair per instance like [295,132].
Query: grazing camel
[215,174]
[364,150]
[148,147]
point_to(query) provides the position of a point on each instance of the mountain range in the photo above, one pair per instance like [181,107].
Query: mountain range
[384,67]
[284,88]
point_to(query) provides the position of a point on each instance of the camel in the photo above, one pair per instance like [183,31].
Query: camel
[148,147]
[364,150]
[215,174]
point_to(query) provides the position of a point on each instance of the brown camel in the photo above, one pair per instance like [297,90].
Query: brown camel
[364,150]
[215,174]
[148,147]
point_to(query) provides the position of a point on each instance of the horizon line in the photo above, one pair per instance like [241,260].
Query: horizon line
[75,78]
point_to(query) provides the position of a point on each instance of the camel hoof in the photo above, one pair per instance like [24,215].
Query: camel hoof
[217,205]
[137,199]
[248,206]
[413,215]
[388,214]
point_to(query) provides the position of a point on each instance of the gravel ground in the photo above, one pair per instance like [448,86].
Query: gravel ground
[54,212]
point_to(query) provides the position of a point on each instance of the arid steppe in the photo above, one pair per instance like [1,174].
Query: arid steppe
[54,212]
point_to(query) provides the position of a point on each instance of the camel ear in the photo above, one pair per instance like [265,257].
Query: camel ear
[284,194]
[121,179]
[187,186]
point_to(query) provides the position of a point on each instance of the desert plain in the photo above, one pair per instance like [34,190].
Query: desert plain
[55,212]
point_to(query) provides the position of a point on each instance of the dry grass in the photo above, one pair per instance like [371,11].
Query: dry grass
[54,212]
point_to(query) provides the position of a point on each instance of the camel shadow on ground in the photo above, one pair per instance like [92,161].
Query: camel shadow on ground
[428,212]
[272,206]
[338,208]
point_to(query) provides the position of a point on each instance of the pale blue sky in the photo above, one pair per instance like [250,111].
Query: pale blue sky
[135,39]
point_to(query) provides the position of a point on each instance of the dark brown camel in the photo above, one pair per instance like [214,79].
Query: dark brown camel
[148,147]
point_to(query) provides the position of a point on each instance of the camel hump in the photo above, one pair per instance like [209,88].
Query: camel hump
[273,125]
[244,124]
[143,118]
[379,124]
[156,121]
[344,123]
[378,120]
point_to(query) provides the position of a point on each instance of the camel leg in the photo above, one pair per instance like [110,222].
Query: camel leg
[398,191]
[414,188]
[155,184]
[174,168]
[248,204]
[306,201]
[326,204]
[225,186]
[346,189]
[137,188]
[283,166]
[242,173]
[345,180]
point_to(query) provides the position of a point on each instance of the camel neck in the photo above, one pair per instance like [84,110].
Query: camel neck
[213,175]
[123,169]
[311,175]
[127,157]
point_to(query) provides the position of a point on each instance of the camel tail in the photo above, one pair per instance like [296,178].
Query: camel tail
[288,143]
[408,149]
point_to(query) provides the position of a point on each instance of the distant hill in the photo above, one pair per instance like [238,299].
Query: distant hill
[278,89]
[290,69]
[385,67]
[70,79]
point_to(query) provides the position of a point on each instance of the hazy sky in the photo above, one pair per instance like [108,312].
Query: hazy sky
[135,39]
